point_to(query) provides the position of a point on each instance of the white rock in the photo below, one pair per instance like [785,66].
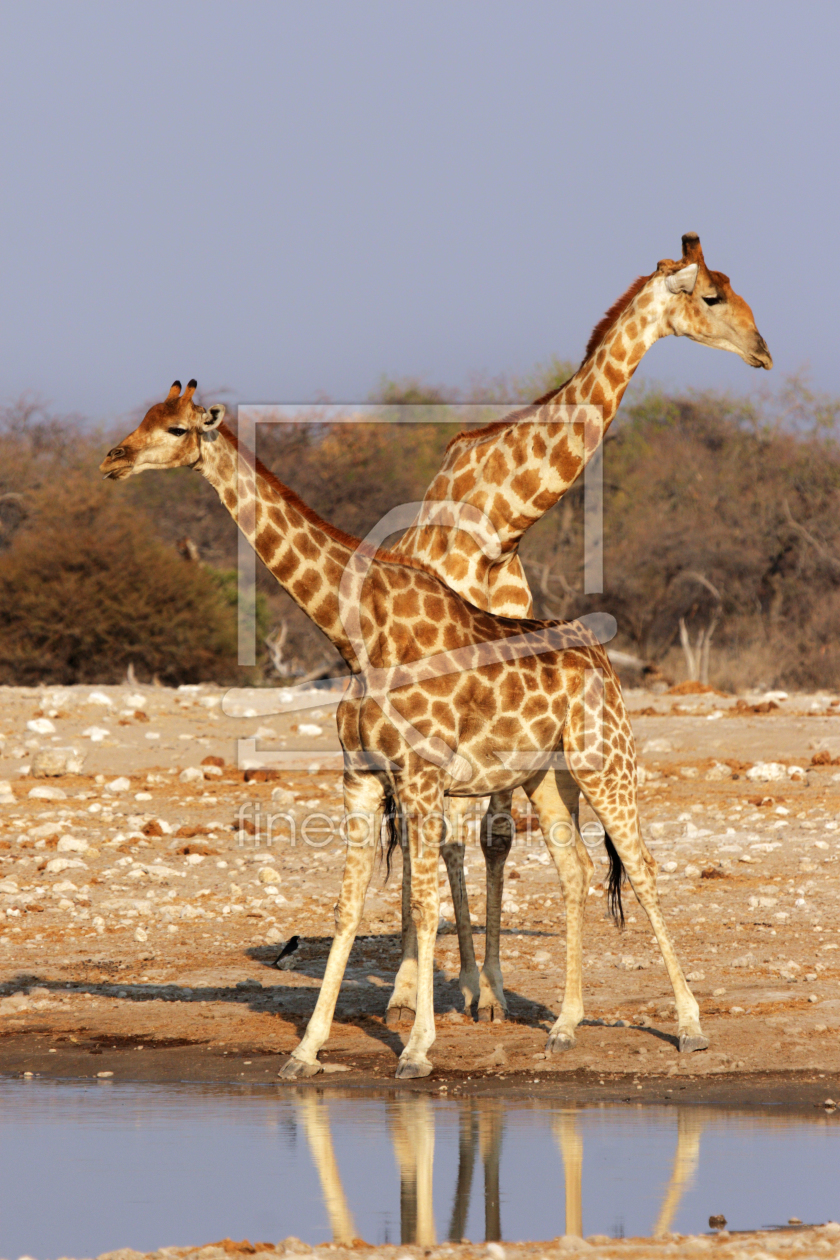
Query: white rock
[134,701]
[657,746]
[670,867]
[7,796]
[57,865]
[63,886]
[72,844]
[41,726]
[121,784]
[192,774]
[273,936]
[151,735]
[212,772]
[142,796]
[46,794]
[210,702]
[269,876]
[694,976]
[265,732]
[141,935]
[96,734]
[767,772]
[283,797]
[99,697]
[56,761]
[718,773]
[692,871]
[9,886]
[195,859]
[310,730]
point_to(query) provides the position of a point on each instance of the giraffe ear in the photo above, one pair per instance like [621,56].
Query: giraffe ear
[174,390]
[215,416]
[682,281]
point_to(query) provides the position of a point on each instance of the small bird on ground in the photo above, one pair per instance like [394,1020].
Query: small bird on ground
[289,948]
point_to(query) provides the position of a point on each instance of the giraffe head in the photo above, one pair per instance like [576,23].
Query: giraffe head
[704,306]
[169,436]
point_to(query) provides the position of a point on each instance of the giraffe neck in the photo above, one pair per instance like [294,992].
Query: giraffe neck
[608,368]
[305,554]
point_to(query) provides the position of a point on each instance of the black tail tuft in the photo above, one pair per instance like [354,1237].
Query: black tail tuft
[393,825]
[615,879]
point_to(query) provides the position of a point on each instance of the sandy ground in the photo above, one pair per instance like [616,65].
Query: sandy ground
[140,915]
[799,1242]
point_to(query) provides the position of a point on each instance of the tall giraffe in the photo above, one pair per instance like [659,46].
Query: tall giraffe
[442,696]
[515,470]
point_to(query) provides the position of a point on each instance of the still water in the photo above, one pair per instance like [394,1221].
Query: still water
[87,1168]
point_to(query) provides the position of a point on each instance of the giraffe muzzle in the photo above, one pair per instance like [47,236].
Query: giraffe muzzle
[111,467]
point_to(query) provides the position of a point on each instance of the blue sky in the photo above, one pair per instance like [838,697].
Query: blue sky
[289,200]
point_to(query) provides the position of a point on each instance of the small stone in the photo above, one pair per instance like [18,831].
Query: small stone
[694,976]
[192,774]
[657,746]
[692,871]
[141,935]
[496,1251]
[273,936]
[269,876]
[330,1068]
[96,734]
[49,762]
[122,784]
[99,697]
[41,726]
[310,730]
[46,794]
[142,796]
[72,844]
[283,797]
[104,1074]
[57,865]
[718,992]
[767,772]
[195,859]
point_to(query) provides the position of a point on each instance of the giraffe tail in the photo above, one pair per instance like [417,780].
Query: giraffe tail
[392,824]
[615,878]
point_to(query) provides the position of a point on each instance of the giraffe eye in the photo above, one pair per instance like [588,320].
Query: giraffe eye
[177,432]
[713,300]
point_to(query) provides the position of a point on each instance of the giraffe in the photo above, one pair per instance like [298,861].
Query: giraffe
[444,699]
[516,469]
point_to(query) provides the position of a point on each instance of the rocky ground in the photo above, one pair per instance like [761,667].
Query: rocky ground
[142,907]
[797,1242]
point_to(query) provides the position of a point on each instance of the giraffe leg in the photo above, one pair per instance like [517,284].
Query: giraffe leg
[496,840]
[363,804]
[621,824]
[453,855]
[424,820]
[402,1003]
[555,798]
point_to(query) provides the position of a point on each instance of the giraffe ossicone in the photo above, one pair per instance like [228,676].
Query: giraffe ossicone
[532,704]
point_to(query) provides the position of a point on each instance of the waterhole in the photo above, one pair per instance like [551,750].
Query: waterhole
[87,1168]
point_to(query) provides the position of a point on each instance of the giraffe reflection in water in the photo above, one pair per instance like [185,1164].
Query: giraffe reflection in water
[411,1124]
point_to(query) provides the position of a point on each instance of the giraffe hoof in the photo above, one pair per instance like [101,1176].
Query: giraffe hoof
[558,1042]
[410,1069]
[494,1013]
[295,1069]
[398,1015]
[689,1042]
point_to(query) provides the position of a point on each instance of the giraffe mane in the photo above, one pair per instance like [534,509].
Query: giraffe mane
[332,531]
[597,335]
[613,315]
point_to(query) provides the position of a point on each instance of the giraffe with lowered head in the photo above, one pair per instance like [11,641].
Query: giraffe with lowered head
[445,699]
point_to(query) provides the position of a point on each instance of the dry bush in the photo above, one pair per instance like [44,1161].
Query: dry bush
[86,590]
